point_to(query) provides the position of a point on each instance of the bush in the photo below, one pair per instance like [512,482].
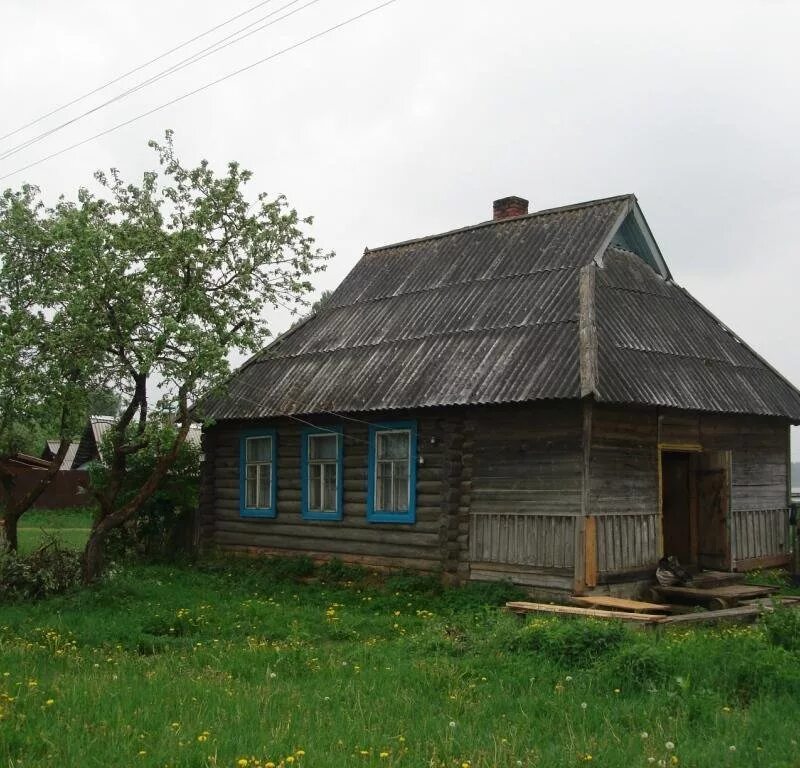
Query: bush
[782,628]
[160,530]
[639,666]
[49,570]
[573,643]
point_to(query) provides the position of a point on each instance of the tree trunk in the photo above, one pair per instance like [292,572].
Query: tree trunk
[9,536]
[107,520]
[93,554]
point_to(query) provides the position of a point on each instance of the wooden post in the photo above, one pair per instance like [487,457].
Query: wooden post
[585,532]
[590,551]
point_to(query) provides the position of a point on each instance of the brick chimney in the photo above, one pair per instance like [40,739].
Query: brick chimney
[506,207]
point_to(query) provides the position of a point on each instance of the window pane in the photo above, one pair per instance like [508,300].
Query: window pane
[314,487]
[322,446]
[251,498]
[330,472]
[259,448]
[393,445]
[264,485]
[400,486]
[383,485]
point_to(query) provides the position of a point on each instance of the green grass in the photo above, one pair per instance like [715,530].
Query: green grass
[70,526]
[238,663]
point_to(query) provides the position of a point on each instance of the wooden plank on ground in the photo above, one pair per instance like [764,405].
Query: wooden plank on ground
[620,604]
[732,592]
[571,610]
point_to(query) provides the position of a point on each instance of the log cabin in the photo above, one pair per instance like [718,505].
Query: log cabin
[532,398]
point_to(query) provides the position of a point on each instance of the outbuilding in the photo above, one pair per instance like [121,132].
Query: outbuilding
[532,398]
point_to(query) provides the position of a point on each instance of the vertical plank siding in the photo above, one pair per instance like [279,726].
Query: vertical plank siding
[760,533]
[541,541]
[626,542]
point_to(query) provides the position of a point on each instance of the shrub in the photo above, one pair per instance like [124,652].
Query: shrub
[782,628]
[160,529]
[573,643]
[49,570]
[639,666]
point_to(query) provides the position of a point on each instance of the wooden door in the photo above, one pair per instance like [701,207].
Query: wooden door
[713,510]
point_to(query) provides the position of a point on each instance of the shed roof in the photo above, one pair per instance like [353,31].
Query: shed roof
[494,313]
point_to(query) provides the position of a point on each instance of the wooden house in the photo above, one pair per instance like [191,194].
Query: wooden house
[532,398]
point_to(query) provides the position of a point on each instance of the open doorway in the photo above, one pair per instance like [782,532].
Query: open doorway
[695,507]
[677,491]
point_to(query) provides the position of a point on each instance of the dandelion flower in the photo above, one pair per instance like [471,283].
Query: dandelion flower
[383,755]
[300,752]
[644,734]
[242,762]
[568,678]
[673,760]
[465,764]
[290,759]
[50,702]
[732,747]
[584,705]
[272,675]
[452,723]
[669,746]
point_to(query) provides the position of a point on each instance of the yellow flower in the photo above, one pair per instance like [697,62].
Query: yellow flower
[270,764]
[465,764]
[202,737]
[383,755]
[290,759]
[300,752]
[50,702]
[242,762]
[673,760]
[142,752]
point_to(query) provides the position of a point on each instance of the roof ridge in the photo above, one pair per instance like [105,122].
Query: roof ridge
[492,222]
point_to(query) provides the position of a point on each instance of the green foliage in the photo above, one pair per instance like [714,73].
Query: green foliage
[49,570]
[782,628]
[574,643]
[160,524]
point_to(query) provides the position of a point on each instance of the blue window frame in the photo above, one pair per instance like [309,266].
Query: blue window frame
[258,452]
[322,473]
[392,483]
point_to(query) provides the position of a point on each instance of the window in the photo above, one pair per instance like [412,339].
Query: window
[257,474]
[392,472]
[321,462]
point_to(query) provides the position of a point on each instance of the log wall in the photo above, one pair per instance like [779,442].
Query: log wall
[430,544]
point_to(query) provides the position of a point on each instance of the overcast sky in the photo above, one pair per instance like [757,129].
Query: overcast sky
[413,119]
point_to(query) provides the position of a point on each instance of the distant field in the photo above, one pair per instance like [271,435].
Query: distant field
[70,526]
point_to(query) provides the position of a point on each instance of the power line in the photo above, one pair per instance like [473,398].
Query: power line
[134,70]
[188,61]
[194,92]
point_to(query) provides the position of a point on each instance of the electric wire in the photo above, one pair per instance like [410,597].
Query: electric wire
[210,50]
[134,70]
[206,86]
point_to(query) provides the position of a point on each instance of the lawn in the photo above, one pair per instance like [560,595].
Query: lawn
[69,526]
[247,663]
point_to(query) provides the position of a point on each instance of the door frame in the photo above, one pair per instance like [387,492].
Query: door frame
[693,449]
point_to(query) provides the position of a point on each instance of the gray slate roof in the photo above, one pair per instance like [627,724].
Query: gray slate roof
[491,314]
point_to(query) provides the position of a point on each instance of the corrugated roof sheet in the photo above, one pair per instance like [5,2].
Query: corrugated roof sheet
[658,345]
[485,314]
[489,314]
